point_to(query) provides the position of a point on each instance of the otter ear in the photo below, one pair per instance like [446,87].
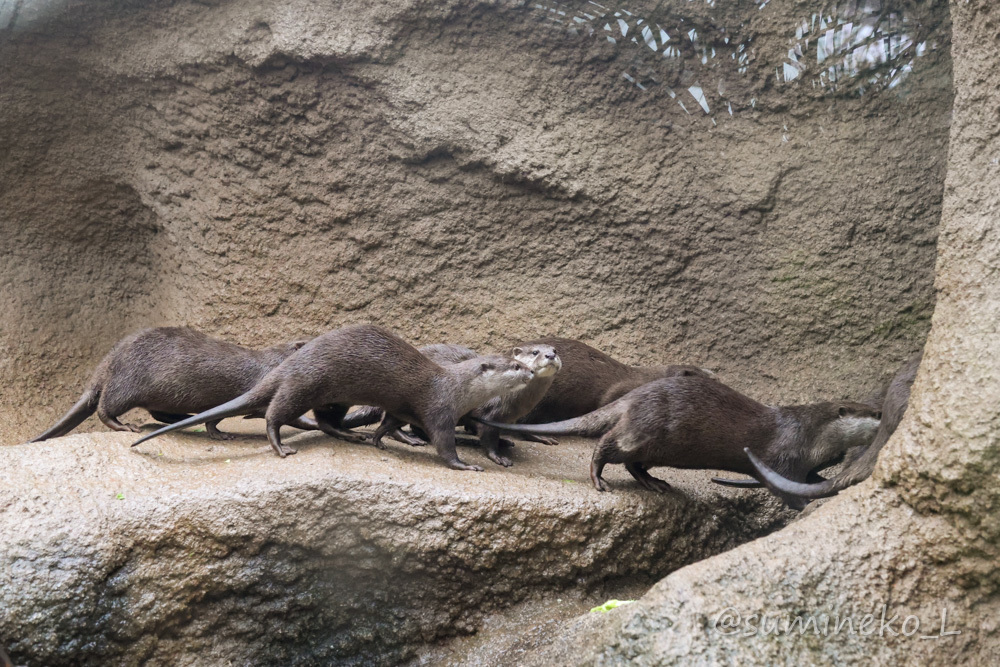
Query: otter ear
[518,351]
[878,415]
[299,344]
[842,411]
[485,366]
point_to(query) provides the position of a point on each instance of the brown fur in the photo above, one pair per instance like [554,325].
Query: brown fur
[696,422]
[895,402]
[505,408]
[169,371]
[590,379]
[369,365]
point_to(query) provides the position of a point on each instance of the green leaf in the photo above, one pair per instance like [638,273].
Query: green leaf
[609,605]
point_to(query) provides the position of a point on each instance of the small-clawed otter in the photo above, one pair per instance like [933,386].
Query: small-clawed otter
[697,422]
[590,379]
[368,365]
[544,362]
[170,372]
[897,398]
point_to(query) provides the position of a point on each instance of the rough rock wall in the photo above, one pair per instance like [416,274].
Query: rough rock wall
[472,172]
[185,553]
[918,541]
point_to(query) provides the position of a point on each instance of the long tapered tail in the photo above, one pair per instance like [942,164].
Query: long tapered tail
[365,416]
[858,470]
[240,405]
[738,483]
[592,425]
[83,408]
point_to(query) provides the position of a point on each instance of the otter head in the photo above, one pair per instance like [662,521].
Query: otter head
[488,377]
[845,425]
[542,359]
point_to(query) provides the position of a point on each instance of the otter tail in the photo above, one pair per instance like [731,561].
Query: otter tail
[254,399]
[591,425]
[86,406]
[366,416]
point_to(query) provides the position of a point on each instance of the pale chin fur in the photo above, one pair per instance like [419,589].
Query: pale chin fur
[860,427]
[546,371]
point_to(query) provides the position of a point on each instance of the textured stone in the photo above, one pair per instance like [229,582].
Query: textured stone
[188,551]
[458,171]
[464,171]
[919,538]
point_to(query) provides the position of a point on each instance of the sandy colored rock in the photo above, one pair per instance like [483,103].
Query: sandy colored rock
[461,172]
[476,173]
[918,539]
[186,550]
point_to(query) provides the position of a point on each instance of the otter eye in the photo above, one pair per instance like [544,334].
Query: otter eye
[878,415]
[534,353]
[842,411]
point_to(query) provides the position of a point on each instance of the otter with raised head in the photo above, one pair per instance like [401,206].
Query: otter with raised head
[696,422]
[170,372]
[544,362]
[368,365]
[897,398]
[590,379]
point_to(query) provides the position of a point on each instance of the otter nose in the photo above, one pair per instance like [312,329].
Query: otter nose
[550,355]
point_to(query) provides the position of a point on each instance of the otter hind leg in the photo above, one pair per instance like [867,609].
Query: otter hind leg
[329,419]
[647,481]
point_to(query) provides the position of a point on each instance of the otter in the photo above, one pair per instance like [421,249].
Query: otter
[544,362]
[366,364]
[442,354]
[698,422]
[591,379]
[897,398]
[170,372]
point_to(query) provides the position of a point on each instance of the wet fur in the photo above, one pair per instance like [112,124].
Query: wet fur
[697,422]
[894,404]
[369,365]
[590,379]
[170,372]
[505,408]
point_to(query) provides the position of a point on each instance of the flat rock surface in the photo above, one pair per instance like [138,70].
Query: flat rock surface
[186,549]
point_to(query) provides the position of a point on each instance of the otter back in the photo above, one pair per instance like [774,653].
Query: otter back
[169,371]
[590,379]
[369,365]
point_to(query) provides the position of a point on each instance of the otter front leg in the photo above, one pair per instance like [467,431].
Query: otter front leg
[646,480]
[389,424]
[489,437]
[406,438]
[443,438]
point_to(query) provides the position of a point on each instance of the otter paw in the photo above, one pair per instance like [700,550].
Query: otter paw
[658,485]
[500,460]
[459,465]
